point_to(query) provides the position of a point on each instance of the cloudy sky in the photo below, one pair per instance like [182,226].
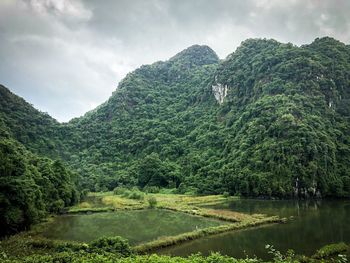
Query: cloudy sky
[67,56]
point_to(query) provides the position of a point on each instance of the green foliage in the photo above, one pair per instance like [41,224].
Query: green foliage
[151,189]
[331,250]
[31,187]
[83,194]
[120,190]
[115,245]
[71,247]
[226,194]
[287,137]
[152,202]
[83,257]
[134,193]
[138,195]
[283,130]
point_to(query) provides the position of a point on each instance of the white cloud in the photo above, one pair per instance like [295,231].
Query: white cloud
[64,8]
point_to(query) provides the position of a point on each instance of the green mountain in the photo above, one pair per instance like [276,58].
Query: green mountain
[271,119]
[287,118]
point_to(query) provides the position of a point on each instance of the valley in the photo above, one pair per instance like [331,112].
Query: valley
[246,156]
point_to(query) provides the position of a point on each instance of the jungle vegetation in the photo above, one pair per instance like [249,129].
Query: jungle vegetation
[282,131]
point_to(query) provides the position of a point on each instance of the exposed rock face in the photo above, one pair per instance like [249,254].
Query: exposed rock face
[220,92]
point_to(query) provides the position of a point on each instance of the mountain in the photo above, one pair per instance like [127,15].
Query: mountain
[287,118]
[152,111]
[271,119]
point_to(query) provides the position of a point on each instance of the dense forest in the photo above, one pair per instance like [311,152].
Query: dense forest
[270,120]
[31,187]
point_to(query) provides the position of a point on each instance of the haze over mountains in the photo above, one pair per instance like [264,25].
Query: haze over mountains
[271,120]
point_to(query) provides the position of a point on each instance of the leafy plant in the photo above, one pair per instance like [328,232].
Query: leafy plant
[152,202]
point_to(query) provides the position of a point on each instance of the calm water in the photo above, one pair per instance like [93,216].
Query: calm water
[315,224]
[136,226]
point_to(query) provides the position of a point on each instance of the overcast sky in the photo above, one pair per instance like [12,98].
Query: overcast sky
[67,56]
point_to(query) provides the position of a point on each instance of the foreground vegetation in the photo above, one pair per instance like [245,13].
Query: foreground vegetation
[120,252]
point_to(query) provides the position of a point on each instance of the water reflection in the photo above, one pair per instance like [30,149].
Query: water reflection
[136,226]
[315,224]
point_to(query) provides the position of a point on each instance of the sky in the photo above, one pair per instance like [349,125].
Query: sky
[66,57]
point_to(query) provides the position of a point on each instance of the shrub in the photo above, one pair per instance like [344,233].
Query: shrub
[135,193]
[42,243]
[191,191]
[168,191]
[85,205]
[138,195]
[57,206]
[71,247]
[84,193]
[330,250]
[151,189]
[226,194]
[120,190]
[126,193]
[117,245]
[152,202]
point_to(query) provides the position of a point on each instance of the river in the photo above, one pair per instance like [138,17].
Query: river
[314,224]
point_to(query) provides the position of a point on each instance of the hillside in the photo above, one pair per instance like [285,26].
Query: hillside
[271,119]
[287,118]
[31,184]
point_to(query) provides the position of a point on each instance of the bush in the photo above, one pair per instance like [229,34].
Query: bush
[85,205]
[168,191]
[126,193]
[226,194]
[151,189]
[137,195]
[57,206]
[152,202]
[71,247]
[120,190]
[84,193]
[117,245]
[330,250]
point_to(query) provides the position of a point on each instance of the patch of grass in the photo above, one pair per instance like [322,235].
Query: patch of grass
[85,205]
[125,201]
[120,190]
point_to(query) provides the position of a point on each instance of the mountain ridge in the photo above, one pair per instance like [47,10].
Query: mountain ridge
[280,114]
